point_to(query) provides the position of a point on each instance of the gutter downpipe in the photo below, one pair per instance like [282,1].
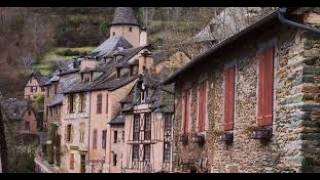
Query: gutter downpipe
[288,22]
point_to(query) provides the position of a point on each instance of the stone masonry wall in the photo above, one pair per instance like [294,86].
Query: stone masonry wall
[294,146]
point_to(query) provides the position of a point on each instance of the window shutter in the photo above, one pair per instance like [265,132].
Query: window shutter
[66,133]
[186,111]
[265,94]
[201,106]
[71,134]
[229,83]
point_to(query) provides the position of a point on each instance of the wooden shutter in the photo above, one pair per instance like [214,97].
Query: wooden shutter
[202,106]
[186,99]
[229,90]
[99,103]
[94,139]
[265,89]
[72,161]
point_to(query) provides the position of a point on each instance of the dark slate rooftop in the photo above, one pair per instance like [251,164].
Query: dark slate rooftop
[118,120]
[160,100]
[110,45]
[40,78]
[124,16]
[127,55]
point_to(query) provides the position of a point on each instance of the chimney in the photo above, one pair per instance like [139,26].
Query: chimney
[145,62]
[143,37]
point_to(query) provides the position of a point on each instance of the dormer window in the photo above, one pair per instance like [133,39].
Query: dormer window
[118,72]
[118,57]
[134,70]
[143,93]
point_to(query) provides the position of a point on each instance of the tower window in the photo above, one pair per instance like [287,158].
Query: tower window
[130,29]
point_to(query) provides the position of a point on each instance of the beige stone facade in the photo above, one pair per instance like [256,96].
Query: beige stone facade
[33,89]
[287,150]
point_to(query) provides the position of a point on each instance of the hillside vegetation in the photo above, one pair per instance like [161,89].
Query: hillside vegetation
[33,38]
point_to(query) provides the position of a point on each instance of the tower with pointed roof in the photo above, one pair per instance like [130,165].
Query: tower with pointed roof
[125,24]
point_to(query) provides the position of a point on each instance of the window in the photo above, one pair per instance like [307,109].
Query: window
[99,103]
[95,134]
[71,103]
[107,103]
[33,88]
[27,125]
[185,110]
[166,152]
[135,152]
[82,102]
[144,93]
[146,152]
[136,127]
[130,29]
[42,89]
[265,87]
[48,91]
[55,88]
[82,130]
[147,126]
[122,137]
[134,70]
[29,113]
[202,104]
[115,136]
[229,91]
[69,133]
[113,33]
[104,139]
[167,122]
[114,160]
[72,161]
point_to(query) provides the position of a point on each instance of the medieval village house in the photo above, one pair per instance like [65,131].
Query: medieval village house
[94,99]
[141,132]
[251,103]
[33,87]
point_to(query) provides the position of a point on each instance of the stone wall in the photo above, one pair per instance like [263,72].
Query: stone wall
[294,146]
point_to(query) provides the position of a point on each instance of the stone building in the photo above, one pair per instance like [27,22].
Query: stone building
[33,87]
[251,102]
[141,132]
[125,24]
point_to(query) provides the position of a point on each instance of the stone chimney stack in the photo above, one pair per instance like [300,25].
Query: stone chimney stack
[143,37]
[145,62]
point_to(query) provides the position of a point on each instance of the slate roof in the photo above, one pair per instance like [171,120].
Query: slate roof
[118,120]
[42,79]
[124,16]
[110,45]
[127,55]
[14,108]
[159,100]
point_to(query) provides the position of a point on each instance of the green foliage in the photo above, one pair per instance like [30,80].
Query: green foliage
[37,102]
[69,52]
[104,27]
[21,158]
